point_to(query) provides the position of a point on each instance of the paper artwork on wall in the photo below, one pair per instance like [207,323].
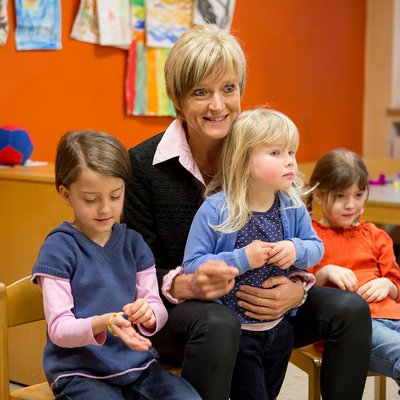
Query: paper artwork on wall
[215,12]
[4,26]
[85,27]
[145,85]
[38,24]
[114,22]
[166,20]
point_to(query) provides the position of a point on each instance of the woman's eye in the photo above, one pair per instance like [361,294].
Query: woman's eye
[199,92]
[230,88]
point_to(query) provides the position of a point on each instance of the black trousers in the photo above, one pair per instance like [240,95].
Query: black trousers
[204,339]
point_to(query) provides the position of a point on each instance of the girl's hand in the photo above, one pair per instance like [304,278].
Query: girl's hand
[127,333]
[376,290]
[140,312]
[257,253]
[282,254]
[343,278]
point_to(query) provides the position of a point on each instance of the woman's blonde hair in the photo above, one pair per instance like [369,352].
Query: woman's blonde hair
[252,128]
[95,150]
[335,171]
[199,52]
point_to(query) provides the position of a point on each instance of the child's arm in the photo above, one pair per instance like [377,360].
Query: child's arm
[65,330]
[309,247]
[202,242]
[148,310]
[388,284]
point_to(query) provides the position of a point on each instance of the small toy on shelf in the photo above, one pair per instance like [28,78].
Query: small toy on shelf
[15,145]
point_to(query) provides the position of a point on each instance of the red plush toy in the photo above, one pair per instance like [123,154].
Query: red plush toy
[15,145]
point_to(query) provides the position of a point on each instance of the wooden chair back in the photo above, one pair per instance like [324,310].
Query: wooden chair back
[20,303]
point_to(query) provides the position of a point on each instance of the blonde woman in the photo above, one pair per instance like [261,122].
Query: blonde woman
[205,77]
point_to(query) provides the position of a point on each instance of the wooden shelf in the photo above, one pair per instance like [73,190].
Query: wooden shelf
[393,112]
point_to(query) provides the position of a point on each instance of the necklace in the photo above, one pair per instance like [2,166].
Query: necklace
[205,173]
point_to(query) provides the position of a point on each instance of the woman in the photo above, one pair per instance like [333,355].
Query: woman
[205,77]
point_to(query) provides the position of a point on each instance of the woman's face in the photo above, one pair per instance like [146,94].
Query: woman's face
[211,107]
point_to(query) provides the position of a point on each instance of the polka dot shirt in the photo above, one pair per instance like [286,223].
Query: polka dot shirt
[265,226]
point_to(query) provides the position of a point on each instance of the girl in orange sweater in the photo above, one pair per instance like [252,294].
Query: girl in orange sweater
[358,255]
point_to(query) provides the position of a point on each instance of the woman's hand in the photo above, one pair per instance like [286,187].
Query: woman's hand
[257,253]
[343,278]
[211,280]
[124,329]
[282,254]
[278,295]
[140,312]
[377,289]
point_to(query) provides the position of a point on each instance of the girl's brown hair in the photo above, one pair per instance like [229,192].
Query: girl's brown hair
[98,151]
[337,170]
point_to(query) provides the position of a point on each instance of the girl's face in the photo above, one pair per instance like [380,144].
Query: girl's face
[96,201]
[273,167]
[346,208]
[211,107]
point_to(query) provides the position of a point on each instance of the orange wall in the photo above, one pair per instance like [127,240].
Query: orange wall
[305,58]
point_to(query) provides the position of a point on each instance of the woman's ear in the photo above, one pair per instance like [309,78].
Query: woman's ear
[64,192]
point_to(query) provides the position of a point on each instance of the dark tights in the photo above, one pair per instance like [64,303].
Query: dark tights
[343,319]
[211,333]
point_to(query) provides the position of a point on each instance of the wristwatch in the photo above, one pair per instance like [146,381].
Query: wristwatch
[305,294]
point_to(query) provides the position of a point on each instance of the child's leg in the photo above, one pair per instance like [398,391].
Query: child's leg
[262,362]
[385,348]
[276,357]
[155,383]
[80,388]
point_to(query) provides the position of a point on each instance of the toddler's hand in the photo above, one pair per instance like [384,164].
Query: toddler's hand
[375,290]
[140,312]
[282,254]
[257,253]
[126,332]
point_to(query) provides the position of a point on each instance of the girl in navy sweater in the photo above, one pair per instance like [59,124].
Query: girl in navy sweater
[99,285]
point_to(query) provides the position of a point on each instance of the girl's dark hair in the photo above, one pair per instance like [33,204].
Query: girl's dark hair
[98,151]
[335,171]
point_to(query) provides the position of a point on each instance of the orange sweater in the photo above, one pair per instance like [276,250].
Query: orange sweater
[368,252]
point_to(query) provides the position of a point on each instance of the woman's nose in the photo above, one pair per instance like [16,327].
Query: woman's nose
[216,102]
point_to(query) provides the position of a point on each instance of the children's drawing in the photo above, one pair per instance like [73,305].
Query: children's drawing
[166,20]
[114,22]
[86,27]
[144,85]
[38,24]
[4,27]
[218,12]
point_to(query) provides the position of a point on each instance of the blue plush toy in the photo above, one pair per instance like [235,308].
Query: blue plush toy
[15,145]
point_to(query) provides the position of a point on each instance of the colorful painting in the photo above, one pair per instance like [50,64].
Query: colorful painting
[166,20]
[218,12]
[86,27]
[145,85]
[4,26]
[38,24]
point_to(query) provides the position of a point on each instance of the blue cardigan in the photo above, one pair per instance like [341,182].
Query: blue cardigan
[205,243]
